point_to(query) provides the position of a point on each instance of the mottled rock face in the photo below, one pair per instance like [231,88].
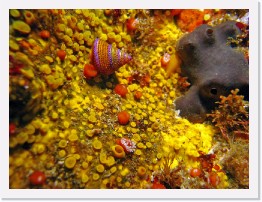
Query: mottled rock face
[213,68]
[25,98]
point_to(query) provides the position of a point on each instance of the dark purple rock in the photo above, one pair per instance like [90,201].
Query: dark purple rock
[213,68]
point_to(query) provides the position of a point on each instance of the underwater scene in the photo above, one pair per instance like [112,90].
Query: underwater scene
[128,99]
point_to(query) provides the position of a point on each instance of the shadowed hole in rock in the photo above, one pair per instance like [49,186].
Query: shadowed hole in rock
[213,91]
[209,32]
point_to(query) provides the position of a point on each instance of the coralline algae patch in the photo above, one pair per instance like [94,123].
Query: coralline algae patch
[74,141]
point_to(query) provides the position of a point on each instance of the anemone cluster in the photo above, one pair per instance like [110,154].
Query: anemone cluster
[71,126]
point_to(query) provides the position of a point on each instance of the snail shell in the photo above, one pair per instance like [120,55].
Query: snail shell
[106,58]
